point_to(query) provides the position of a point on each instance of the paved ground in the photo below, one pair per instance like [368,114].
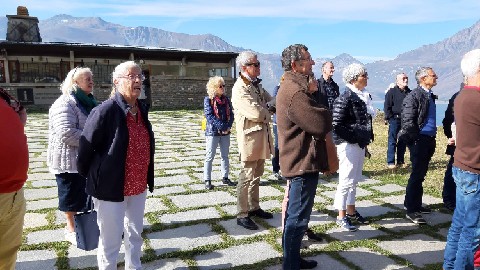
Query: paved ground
[187,227]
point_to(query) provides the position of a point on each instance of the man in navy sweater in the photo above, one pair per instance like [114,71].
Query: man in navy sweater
[419,129]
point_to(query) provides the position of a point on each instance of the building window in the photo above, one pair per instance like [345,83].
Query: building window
[2,71]
[102,73]
[24,72]
[14,70]
[223,72]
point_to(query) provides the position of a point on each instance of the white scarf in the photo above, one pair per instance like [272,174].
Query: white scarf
[365,97]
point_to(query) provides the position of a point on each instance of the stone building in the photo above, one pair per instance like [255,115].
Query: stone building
[32,70]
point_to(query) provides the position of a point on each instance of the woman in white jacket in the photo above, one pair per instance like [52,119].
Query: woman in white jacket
[67,117]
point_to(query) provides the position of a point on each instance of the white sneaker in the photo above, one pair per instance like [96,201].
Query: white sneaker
[71,237]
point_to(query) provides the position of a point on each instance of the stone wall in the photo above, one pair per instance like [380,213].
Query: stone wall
[181,93]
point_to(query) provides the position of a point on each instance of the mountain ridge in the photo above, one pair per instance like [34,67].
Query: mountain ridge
[443,56]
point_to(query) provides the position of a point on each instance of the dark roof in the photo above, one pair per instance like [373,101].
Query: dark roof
[84,50]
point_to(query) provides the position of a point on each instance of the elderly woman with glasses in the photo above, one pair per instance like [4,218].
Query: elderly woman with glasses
[352,132]
[116,155]
[219,114]
[66,120]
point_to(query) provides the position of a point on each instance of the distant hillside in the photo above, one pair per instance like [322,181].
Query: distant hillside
[444,56]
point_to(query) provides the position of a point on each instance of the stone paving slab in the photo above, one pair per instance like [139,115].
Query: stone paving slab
[238,232]
[236,256]
[33,220]
[389,188]
[397,224]
[44,183]
[202,199]
[154,204]
[36,259]
[169,264]
[364,232]
[43,204]
[41,193]
[419,249]
[181,217]
[172,180]
[370,260]
[45,236]
[182,238]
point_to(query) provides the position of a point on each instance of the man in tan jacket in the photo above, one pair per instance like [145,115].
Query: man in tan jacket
[253,108]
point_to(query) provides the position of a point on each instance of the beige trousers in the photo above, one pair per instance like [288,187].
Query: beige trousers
[248,198]
[12,212]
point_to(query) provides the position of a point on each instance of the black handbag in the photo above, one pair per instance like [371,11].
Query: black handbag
[86,228]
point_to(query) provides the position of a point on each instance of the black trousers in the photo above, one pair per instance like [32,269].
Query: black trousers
[422,151]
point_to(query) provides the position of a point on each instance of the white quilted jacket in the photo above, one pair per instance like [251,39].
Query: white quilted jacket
[65,124]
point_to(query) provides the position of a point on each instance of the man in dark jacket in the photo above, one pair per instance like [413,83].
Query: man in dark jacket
[449,187]
[419,129]
[302,128]
[328,89]
[393,109]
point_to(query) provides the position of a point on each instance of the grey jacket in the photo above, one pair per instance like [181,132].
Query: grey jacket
[66,119]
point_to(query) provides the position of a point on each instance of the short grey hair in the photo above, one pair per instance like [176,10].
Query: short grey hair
[422,72]
[352,72]
[470,63]
[292,53]
[244,58]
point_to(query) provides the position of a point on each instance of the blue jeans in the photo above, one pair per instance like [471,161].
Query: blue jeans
[422,152]
[301,194]
[212,143]
[464,233]
[400,146]
[276,158]
[449,187]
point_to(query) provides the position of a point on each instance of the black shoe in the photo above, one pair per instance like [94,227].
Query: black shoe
[307,264]
[247,223]
[260,213]
[416,218]
[425,210]
[313,236]
[227,182]
[358,218]
[208,185]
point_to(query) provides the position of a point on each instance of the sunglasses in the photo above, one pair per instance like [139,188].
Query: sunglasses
[257,64]
[222,86]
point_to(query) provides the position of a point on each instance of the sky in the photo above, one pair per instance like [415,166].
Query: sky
[369,30]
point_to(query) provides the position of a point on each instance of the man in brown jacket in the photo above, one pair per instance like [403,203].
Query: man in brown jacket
[302,127]
[253,108]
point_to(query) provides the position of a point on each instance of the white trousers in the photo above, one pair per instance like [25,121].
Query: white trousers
[115,218]
[350,157]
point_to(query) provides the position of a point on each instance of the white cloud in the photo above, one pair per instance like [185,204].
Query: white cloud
[386,11]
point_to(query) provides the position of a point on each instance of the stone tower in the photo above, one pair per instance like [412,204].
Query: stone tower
[23,28]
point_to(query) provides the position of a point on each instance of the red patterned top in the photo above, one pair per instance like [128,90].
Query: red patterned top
[138,156]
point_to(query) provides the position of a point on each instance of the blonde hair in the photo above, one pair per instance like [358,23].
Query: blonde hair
[119,71]
[72,76]
[213,84]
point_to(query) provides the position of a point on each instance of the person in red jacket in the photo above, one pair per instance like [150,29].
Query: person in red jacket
[13,174]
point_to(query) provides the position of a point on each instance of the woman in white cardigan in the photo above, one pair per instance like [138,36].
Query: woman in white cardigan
[67,117]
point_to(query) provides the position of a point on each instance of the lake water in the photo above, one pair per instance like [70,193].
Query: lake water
[441,107]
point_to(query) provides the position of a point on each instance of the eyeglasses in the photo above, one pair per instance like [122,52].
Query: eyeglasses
[222,86]
[133,78]
[365,75]
[405,78]
[257,64]
[433,76]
